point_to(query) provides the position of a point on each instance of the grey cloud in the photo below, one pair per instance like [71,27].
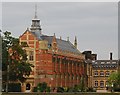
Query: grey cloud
[95,24]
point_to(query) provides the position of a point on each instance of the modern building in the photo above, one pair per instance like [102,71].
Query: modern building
[98,71]
[57,62]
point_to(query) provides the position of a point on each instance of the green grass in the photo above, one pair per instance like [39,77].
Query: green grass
[89,93]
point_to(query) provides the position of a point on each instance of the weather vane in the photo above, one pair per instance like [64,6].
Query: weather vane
[35,10]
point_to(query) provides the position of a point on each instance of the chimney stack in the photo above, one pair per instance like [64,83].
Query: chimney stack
[111,55]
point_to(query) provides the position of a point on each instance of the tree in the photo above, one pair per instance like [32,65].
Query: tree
[14,56]
[114,80]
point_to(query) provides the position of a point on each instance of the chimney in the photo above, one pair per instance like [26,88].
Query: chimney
[110,55]
[94,56]
[60,38]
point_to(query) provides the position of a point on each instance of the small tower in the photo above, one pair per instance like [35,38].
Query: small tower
[60,38]
[54,43]
[35,27]
[75,42]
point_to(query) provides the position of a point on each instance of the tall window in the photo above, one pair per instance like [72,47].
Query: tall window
[101,73]
[95,73]
[101,84]
[31,57]
[96,83]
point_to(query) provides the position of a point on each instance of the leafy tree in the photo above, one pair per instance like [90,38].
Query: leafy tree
[14,56]
[114,79]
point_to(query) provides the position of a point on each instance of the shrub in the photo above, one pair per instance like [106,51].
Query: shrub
[48,89]
[117,89]
[42,87]
[90,89]
[60,89]
[34,89]
[14,87]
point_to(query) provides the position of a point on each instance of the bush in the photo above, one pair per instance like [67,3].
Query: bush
[71,89]
[117,89]
[48,89]
[42,87]
[60,89]
[34,89]
[76,88]
[14,87]
[90,89]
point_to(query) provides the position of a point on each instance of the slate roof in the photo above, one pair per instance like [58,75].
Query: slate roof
[61,44]
[37,35]
[105,64]
[67,46]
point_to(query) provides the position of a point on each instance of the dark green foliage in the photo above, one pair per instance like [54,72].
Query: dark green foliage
[71,89]
[116,89]
[114,79]
[34,89]
[19,68]
[60,89]
[14,87]
[48,89]
[90,89]
[76,88]
[42,87]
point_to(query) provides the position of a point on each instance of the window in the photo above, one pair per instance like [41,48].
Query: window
[113,62]
[96,83]
[107,73]
[31,56]
[108,62]
[95,73]
[101,73]
[101,84]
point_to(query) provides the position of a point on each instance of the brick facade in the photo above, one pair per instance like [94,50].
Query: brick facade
[51,65]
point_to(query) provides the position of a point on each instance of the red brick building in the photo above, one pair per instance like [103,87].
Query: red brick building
[57,62]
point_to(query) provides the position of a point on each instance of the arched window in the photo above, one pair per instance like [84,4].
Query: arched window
[27,86]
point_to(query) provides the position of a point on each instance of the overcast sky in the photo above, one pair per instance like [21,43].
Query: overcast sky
[94,24]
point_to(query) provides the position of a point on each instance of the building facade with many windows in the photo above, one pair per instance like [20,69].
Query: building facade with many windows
[101,70]
[98,71]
